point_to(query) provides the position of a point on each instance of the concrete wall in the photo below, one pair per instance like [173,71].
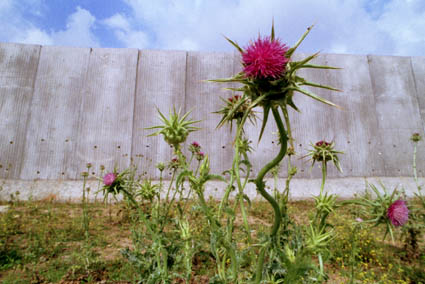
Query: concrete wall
[63,107]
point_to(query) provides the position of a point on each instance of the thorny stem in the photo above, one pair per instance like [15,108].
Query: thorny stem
[260,188]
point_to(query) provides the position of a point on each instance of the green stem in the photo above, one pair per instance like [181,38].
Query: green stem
[414,168]
[260,188]
[240,190]
[259,180]
[324,173]
[259,271]
[170,185]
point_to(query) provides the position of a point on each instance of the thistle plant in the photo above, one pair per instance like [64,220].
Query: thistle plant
[324,152]
[269,80]
[386,208]
[175,129]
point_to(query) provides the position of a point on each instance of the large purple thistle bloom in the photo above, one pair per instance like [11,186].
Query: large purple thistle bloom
[398,213]
[265,58]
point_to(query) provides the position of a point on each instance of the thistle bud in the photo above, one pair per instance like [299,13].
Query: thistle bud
[416,137]
[194,147]
[200,156]
[174,164]
[160,166]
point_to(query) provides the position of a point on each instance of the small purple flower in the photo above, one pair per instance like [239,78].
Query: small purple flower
[234,99]
[194,147]
[109,179]
[200,156]
[196,144]
[358,219]
[321,143]
[398,213]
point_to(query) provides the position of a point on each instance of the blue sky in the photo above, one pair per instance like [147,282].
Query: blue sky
[386,27]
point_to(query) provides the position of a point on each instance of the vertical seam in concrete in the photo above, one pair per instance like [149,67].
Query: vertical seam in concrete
[83,97]
[185,81]
[380,149]
[29,115]
[417,93]
[134,104]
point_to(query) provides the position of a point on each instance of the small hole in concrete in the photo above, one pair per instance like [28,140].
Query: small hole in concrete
[38,172]
[42,139]
[95,147]
[119,147]
[67,140]
[147,146]
[272,142]
[369,142]
[223,147]
[394,146]
[11,142]
[63,173]
[93,173]
[301,145]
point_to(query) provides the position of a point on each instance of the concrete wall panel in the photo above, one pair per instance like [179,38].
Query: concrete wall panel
[418,66]
[18,67]
[204,99]
[160,84]
[53,125]
[106,120]
[397,110]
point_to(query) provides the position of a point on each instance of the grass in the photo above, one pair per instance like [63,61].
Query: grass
[44,242]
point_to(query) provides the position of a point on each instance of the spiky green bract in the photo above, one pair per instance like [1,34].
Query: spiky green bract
[324,152]
[176,128]
[234,109]
[269,92]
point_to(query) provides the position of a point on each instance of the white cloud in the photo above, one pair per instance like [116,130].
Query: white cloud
[14,27]
[349,26]
[124,32]
[33,35]
[78,30]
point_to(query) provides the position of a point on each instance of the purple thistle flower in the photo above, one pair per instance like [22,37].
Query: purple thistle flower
[265,58]
[109,179]
[398,213]
[196,144]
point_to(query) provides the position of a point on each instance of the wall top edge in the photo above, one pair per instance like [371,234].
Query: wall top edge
[196,52]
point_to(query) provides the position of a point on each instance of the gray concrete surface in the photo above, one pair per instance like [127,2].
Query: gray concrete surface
[52,127]
[62,107]
[18,68]
[71,191]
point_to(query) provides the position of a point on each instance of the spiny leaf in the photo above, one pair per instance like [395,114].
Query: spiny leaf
[234,44]
[320,86]
[265,117]
[319,66]
[292,50]
[314,96]
[296,65]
